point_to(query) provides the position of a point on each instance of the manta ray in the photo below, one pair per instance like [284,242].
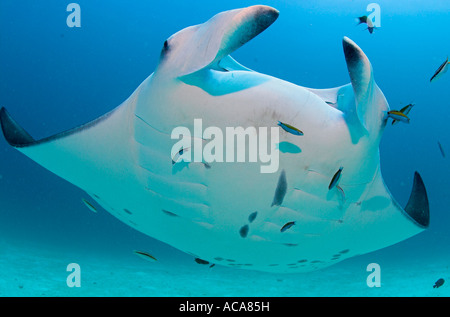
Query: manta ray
[291,220]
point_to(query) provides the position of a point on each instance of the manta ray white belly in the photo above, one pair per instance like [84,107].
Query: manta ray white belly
[231,213]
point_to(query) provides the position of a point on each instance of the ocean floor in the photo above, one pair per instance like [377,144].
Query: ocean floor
[37,271]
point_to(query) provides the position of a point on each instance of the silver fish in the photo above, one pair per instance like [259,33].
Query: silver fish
[287,226]
[441,70]
[145,255]
[335,178]
[441,149]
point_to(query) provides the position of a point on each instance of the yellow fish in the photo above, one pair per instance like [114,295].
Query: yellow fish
[399,116]
[405,110]
[288,128]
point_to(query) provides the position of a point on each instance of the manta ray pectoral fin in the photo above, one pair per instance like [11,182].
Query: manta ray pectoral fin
[200,46]
[17,137]
[384,221]
[418,208]
[78,154]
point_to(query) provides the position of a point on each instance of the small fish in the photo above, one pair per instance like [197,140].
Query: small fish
[440,71]
[370,26]
[365,20]
[439,283]
[244,231]
[362,19]
[177,155]
[145,256]
[169,213]
[397,115]
[200,261]
[89,205]
[288,128]
[405,110]
[441,149]
[335,178]
[287,226]
[252,216]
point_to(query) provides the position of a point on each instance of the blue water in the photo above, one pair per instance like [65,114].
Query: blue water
[53,78]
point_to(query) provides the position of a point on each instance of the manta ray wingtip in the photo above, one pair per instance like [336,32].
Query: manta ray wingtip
[265,9]
[353,53]
[418,207]
[262,15]
[14,134]
[349,46]
[345,39]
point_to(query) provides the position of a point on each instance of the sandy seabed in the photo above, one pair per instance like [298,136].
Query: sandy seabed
[36,271]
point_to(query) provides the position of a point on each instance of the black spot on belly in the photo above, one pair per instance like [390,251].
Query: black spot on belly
[244,231]
[344,251]
[302,261]
[280,191]
[127,211]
